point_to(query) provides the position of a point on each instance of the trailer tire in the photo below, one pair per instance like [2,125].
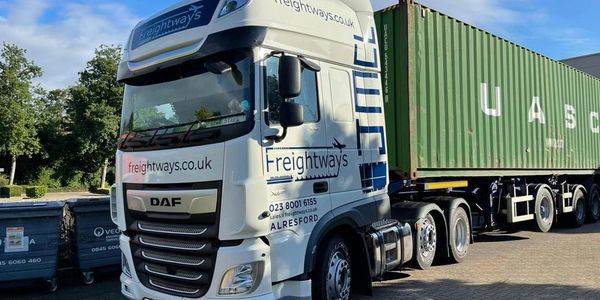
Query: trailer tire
[577,217]
[544,209]
[426,242]
[333,277]
[593,204]
[460,235]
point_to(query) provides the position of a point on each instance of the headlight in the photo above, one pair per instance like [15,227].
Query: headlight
[231,6]
[113,205]
[125,265]
[243,279]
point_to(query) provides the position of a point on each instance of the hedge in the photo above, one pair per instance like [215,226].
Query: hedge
[98,190]
[68,190]
[10,191]
[36,191]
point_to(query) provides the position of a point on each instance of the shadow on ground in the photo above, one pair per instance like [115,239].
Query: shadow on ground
[70,287]
[489,238]
[454,289]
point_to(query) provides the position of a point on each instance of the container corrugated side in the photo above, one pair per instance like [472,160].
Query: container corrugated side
[437,121]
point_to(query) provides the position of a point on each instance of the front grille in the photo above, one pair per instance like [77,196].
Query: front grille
[162,271]
[198,247]
[176,229]
[174,253]
[176,266]
[175,289]
[176,259]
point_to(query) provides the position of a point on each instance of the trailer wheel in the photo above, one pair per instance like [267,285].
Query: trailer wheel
[593,207]
[426,242]
[577,217]
[460,235]
[52,285]
[333,277]
[544,210]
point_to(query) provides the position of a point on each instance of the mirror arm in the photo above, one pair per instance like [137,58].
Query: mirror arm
[306,63]
[278,138]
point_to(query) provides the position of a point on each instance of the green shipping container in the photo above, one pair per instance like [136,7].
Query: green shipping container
[462,102]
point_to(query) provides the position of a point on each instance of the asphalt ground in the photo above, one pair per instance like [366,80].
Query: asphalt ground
[562,264]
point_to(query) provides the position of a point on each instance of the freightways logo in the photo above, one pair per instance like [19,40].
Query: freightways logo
[190,16]
[306,163]
[172,23]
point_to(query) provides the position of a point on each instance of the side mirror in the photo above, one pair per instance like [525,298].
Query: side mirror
[290,77]
[291,114]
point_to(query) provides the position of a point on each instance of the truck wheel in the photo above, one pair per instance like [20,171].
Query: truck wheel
[460,235]
[333,277]
[426,242]
[577,217]
[544,210]
[593,207]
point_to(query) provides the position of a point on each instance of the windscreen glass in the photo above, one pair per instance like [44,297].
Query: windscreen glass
[198,98]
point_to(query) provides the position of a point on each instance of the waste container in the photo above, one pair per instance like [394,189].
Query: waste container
[94,237]
[29,242]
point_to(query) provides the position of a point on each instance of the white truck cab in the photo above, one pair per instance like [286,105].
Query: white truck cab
[252,159]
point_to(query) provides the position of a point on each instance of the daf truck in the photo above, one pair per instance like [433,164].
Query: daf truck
[299,149]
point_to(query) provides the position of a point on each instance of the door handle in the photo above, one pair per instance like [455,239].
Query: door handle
[320,187]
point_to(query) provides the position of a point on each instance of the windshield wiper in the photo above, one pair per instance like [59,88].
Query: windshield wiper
[133,141]
[193,137]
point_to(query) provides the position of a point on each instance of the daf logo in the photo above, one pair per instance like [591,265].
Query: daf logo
[165,202]
[99,231]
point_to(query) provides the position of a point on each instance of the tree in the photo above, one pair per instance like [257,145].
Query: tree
[53,128]
[94,109]
[18,134]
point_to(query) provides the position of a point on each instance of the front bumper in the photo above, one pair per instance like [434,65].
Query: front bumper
[252,250]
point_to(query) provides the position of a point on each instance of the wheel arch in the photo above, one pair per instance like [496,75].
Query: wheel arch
[449,204]
[345,226]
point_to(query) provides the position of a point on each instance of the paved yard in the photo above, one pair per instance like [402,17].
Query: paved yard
[563,264]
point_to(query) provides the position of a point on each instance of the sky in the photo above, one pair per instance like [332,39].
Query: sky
[61,35]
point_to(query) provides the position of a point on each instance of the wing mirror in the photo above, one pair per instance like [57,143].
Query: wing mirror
[290,86]
[291,114]
[290,77]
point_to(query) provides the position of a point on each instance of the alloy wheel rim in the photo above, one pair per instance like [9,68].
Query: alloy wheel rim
[428,238]
[545,210]
[338,277]
[461,235]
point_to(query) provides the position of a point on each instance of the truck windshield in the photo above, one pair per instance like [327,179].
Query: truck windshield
[189,103]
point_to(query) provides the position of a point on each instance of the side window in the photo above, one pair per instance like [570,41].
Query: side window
[308,98]
[341,92]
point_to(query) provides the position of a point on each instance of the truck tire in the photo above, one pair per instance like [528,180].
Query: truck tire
[577,217]
[333,276]
[593,204]
[426,242]
[460,235]
[544,210]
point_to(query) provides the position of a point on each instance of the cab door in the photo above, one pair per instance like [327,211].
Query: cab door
[342,127]
[296,169]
